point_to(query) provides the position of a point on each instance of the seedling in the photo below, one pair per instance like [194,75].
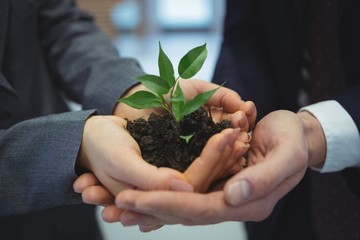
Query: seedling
[165,90]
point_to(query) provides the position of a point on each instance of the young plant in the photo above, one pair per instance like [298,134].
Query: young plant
[165,90]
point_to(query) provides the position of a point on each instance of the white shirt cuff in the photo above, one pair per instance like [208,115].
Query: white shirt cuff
[341,133]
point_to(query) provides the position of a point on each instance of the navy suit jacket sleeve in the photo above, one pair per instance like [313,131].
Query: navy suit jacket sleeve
[350,99]
[243,62]
[260,53]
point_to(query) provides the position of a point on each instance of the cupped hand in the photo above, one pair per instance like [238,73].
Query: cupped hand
[108,151]
[222,156]
[278,158]
[224,104]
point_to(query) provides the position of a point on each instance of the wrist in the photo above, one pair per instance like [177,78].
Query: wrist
[315,139]
[82,163]
[121,107]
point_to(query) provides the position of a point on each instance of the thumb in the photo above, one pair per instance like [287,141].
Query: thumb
[146,176]
[259,180]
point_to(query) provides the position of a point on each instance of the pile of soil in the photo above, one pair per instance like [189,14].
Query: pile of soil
[160,142]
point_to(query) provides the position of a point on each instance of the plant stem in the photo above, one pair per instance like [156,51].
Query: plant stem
[172,93]
[209,108]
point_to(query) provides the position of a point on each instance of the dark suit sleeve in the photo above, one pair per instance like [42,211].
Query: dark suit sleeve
[350,99]
[243,62]
[37,156]
[83,60]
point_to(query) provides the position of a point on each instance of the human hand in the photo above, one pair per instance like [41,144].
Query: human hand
[108,151]
[224,104]
[222,156]
[278,158]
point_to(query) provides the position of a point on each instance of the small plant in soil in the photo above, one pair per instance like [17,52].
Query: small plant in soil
[177,136]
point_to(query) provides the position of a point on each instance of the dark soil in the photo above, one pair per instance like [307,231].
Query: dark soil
[160,142]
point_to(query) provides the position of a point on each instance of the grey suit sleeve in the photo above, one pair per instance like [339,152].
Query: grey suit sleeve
[37,156]
[37,167]
[85,62]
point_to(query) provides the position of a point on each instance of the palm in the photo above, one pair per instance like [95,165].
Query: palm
[278,144]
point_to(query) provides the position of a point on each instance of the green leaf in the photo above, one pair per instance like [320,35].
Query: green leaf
[198,101]
[154,83]
[166,68]
[192,62]
[142,100]
[187,137]
[177,103]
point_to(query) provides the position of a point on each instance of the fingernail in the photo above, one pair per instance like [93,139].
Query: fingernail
[251,109]
[149,228]
[238,192]
[243,121]
[245,136]
[181,186]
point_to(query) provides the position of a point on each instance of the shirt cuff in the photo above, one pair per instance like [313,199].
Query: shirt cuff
[341,134]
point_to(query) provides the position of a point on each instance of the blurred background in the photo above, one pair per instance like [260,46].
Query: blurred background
[136,27]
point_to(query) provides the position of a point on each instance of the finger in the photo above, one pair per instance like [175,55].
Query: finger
[84,181]
[141,174]
[149,227]
[111,214]
[227,99]
[148,177]
[132,218]
[146,222]
[239,120]
[251,113]
[259,180]
[224,98]
[244,117]
[97,195]
[214,161]
[163,207]
[237,164]
[166,207]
